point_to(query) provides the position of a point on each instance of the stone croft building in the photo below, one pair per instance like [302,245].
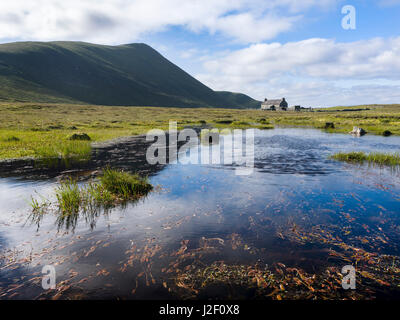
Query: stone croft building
[275,104]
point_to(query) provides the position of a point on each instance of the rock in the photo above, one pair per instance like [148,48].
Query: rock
[329,125]
[358,131]
[386,133]
[80,136]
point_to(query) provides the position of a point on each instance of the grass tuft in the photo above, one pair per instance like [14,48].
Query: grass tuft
[387,159]
[39,209]
[114,187]
[69,197]
[125,185]
[12,139]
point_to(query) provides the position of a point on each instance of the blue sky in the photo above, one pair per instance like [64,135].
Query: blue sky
[276,48]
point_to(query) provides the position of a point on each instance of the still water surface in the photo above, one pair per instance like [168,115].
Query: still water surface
[201,214]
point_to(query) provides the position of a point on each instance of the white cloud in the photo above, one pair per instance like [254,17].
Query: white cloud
[311,71]
[374,58]
[121,21]
[246,28]
[389,3]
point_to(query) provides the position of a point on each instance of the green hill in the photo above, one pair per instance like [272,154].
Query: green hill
[78,72]
[239,99]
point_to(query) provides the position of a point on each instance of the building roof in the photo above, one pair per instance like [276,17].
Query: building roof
[275,102]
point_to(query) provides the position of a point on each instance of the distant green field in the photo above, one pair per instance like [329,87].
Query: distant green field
[43,130]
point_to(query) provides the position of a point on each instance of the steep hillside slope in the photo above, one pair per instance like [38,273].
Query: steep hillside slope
[133,74]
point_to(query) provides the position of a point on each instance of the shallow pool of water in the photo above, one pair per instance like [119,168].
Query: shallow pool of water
[298,209]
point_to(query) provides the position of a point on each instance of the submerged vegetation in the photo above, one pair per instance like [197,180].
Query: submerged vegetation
[280,282]
[44,131]
[113,187]
[387,159]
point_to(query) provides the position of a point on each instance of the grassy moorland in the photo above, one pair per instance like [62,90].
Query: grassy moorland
[44,130]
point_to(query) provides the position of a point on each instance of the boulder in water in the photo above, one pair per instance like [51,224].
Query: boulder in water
[358,131]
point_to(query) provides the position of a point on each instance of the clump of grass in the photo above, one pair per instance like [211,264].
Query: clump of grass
[387,159]
[263,121]
[96,195]
[80,136]
[384,158]
[39,209]
[224,121]
[55,127]
[12,139]
[40,129]
[73,200]
[350,157]
[114,187]
[386,133]
[36,205]
[241,123]
[265,127]
[125,185]
[69,197]
[69,201]
[329,125]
